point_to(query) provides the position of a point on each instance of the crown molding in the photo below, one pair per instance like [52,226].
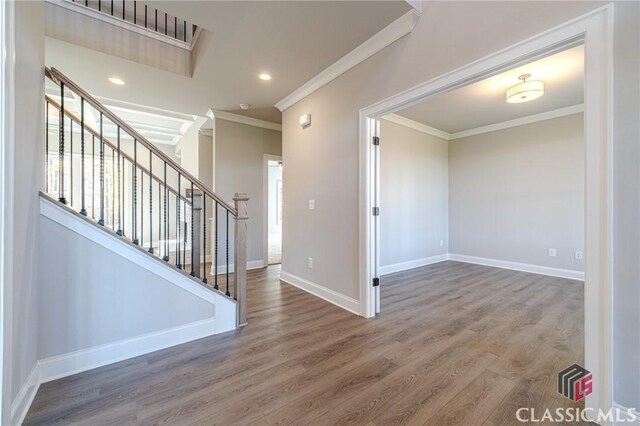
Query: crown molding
[556,113]
[250,121]
[392,32]
[406,122]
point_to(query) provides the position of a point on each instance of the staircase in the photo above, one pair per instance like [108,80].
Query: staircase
[99,168]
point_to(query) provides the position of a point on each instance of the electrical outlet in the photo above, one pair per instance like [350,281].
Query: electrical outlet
[579,255]
[312,204]
[310,262]
[441,243]
[552,252]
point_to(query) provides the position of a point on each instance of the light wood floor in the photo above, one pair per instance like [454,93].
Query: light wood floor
[455,344]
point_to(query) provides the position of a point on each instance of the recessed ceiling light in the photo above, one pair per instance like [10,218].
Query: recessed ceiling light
[265,76]
[525,91]
[245,106]
[117,81]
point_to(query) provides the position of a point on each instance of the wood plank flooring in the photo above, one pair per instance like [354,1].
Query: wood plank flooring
[456,344]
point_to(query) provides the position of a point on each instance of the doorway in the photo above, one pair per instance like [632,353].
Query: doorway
[592,30]
[273,209]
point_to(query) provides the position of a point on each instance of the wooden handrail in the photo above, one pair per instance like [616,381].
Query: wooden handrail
[58,77]
[111,145]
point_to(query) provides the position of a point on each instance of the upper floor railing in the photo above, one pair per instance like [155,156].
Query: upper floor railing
[143,16]
[132,187]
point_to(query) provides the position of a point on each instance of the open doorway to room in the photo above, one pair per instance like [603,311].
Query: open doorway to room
[486,221]
[273,209]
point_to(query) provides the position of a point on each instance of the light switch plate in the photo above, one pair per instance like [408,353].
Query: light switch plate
[312,204]
[552,252]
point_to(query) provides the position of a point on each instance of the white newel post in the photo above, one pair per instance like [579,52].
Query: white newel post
[240,255]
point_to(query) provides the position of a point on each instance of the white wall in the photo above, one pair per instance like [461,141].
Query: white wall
[517,192]
[448,35]
[239,155]
[26,177]
[93,296]
[413,196]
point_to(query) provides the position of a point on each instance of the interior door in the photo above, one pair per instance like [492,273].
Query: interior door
[375,196]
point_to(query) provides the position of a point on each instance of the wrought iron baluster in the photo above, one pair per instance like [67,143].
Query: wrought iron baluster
[142,208]
[150,202]
[204,238]
[124,8]
[178,226]
[193,272]
[83,209]
[215,260]
[61,148]
[227,271]
[185,31]
[71,161]
[134,190]
[166,213]
[145,16]
[156,20]
[120,230]
[135,12]
[165,24]
[175,27]
[101,220]
[111,7]
[46,151]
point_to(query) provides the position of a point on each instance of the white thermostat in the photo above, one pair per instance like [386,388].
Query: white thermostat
[305,120]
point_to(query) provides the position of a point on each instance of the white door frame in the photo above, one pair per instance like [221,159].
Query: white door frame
[265,205]
[594,30]
[7,104]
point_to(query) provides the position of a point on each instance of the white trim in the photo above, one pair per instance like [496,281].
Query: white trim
[338,299]
[58,214]
[22,402]
[416,4]
[56,367]
[595,30]
[7,166]
[86,359]
[517,266]
[556,113]
[548,115]
[253,264]
[265,204]
[117,22]
[634,412]
[250,121]
[403,266]
[406,122]
[392,32]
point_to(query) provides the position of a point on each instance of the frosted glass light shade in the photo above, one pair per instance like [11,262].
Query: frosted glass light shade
[525,92]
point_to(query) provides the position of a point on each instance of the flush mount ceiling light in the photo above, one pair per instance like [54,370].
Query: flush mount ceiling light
[116,80]
[264,76]
[525,91]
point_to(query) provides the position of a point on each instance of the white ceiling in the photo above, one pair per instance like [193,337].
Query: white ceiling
[158,126]
[293,41]
[484,103]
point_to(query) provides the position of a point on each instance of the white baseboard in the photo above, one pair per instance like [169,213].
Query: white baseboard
[516,266]
[330,296]
[254,264]
[626,416]
[86,359]
[24,398]
[403,266]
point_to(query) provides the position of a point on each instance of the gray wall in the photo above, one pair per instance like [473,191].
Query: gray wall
[517,192]
[322,161]
[626,205]
[413,194]
[239,155]
[26,178]
[86,303]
